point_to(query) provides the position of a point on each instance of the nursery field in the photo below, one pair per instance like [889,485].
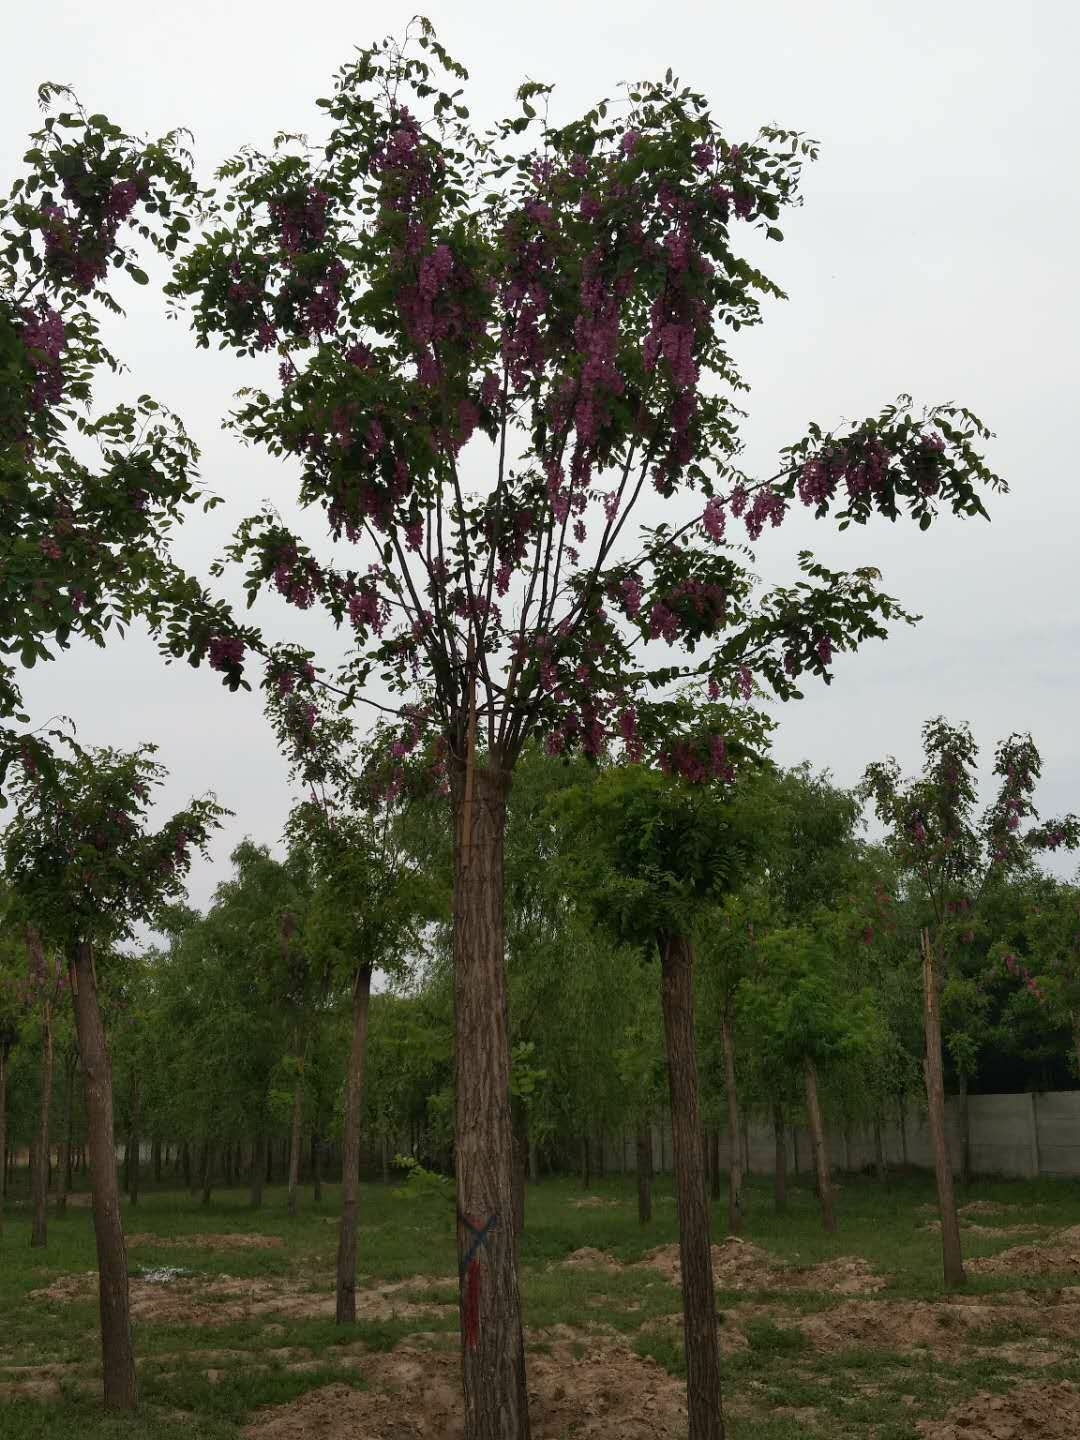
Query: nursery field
[822,1337]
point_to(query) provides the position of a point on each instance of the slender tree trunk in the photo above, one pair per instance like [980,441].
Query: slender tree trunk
[965,1131]
[133,1148]
[294,1134]
[795,1147]
[847,1148]
[586,1162]
[227,1165]
[902,1107]
[345,1312]
[745,1137]
[644,1172]
[817,1136]
[534,1161]
[734,1165]
[952,1260]
[385,1157]
[703,1394]
[155,1158]
[3,1128]
[70,1064]
[207,1170]
[780,1162]
[519,1128]
[40,1175]
[258,1169]
[118,1359]
[316,1168]
[493,1348]
[714,1162]
[185,1155]
[881,1169]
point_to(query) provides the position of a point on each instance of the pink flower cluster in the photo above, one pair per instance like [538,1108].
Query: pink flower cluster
[1022,973]
[44,338]
[226,652]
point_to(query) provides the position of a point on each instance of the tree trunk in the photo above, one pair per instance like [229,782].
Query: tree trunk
[847,1148]
[903,1133]
[586,1162]
[644,1172]
[879,1151]
[316,1168]
[780,1162]
[155,1158]
[258,1169]
[703,1395]
[817,1136]
[493,1349]
[3,1128]
[965,1131]
[118,1360]
[385,1157]
[207,1170]
[133,1148]
[952,1260]
[714,1162]
[795,1147]
[734,1166]
[227,1165]
[345,1312]
[185,1155]
[40,1175]
[534,1161]
[294,1134]
[70,1064]
[519,1129]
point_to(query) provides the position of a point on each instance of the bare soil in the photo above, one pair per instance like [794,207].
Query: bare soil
[202,1301]
[1049,1412]
[209,1242]
[607,1391]
[742,1265]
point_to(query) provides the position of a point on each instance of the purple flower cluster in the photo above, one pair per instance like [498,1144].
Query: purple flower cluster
[44,339]
[226,652]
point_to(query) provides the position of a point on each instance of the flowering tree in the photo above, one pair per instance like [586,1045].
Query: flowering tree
[948,856]
[492,346]
[84,864]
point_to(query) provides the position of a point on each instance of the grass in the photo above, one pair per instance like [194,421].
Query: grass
[206,1380]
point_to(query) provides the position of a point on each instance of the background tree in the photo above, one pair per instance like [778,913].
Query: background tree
[89,870]
[948,857]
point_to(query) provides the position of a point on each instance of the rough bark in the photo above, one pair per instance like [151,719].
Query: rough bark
[345,1312]
[493,1350]
[780,1162]
[703,1394]
[734,1157]
[644,1172]
[40,1176]
[952,1260]
[817,1138]
[117,1355]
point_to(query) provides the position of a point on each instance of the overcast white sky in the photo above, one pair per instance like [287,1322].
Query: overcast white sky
[935,254]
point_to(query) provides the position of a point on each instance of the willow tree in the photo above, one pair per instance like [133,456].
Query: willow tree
[85,865]
[495,348]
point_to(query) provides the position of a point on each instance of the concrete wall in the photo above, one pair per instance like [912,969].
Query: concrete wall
[1018,1135]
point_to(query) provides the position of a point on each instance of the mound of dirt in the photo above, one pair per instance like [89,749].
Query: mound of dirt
[983,1207]
[742,1265]
[1051,1412]
[894,1325]
[209,1242]
[1029,1260]
[588,1258]
[225,1299]
[413,1393]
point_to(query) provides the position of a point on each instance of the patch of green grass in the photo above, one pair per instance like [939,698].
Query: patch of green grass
[770,1338]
